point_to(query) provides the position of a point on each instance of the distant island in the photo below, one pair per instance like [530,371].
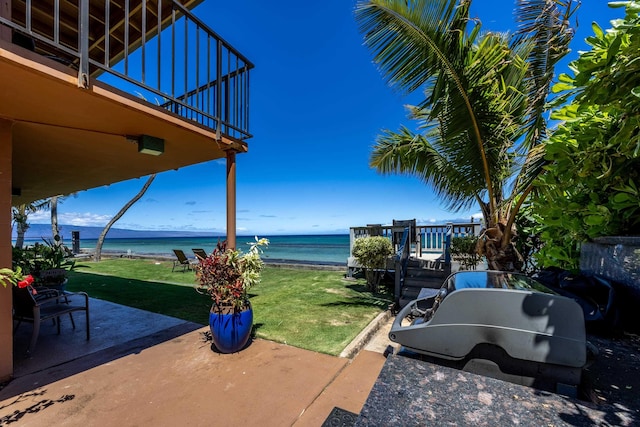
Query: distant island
[43,231]
[40,231]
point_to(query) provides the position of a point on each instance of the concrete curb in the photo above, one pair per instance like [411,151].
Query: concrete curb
[361,340]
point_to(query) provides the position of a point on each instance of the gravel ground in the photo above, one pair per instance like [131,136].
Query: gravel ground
[614,377]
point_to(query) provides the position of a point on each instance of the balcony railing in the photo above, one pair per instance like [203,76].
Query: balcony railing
[157,50]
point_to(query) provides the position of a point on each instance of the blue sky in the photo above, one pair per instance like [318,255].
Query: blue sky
[317,104]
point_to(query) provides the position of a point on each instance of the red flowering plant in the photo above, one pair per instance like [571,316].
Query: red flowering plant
[227,274]
[16,278]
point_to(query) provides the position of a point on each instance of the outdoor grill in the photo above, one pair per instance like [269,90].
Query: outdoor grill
[498,324]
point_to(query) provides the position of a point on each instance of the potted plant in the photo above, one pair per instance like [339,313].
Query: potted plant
[49,264]
[226,275]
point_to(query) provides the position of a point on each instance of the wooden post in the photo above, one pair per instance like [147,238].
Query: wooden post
[6,299]
[447,243]
[5,12]
[231,199]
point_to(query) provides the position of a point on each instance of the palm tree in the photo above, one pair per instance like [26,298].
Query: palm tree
[481,123]
[20,215]
[55,230]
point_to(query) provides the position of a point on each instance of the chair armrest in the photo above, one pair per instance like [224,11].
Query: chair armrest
[43,301]
[45,293]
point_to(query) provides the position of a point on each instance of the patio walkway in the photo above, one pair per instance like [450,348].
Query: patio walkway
[142,368]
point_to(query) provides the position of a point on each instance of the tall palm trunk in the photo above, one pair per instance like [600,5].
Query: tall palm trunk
[55,230]
[122,211]
[20,218]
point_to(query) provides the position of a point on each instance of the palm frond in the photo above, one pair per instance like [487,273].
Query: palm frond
[420,42]
[485,94]
[411,43]
[545,26]
[493,78]
[404,152]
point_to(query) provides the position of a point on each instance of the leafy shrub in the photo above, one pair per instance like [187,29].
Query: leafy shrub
[463,250]
[372,253]
[591,184]
[528,243]
[39,257]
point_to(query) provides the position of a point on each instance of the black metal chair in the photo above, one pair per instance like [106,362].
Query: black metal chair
[182,261]
[29,309]
[199,253]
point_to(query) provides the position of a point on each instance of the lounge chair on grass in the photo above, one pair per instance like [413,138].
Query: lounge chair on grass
[199,253]
[181,261]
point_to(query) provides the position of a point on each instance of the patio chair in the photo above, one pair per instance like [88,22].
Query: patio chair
[199,253]
[182,261]
[29,309]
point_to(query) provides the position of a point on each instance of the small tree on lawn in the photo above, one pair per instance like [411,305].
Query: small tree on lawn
[372,253]
[119,215]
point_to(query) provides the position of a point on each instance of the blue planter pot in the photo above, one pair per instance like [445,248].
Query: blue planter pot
[230,332]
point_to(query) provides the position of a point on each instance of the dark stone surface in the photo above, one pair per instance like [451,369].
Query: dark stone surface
[411,392]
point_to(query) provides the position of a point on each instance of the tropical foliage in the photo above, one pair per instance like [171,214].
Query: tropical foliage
[226,275]
[480,124]
[15,278]
[20,215]
[463,250]
[47,263]
[591,186]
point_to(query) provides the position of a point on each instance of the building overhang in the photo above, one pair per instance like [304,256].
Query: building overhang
[66,138]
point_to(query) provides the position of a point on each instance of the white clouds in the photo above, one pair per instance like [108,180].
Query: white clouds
[86,219]
[40,217]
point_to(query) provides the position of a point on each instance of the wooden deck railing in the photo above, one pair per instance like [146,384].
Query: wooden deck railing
[428,238]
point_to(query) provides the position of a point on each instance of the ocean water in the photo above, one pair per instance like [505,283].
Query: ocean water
[323,249]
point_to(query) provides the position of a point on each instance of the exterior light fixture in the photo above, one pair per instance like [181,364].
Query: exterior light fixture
[148,144]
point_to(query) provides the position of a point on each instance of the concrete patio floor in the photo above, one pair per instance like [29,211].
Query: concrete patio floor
[141,368]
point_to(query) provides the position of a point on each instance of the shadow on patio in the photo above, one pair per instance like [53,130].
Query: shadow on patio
[142,368]
[116,330]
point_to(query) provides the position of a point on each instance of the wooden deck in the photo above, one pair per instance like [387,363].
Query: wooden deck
[422,260]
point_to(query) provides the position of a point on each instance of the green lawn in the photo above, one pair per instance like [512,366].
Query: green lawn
[312,309]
